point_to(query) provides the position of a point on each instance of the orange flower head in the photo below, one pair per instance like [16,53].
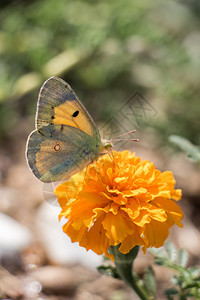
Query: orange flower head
[119,199]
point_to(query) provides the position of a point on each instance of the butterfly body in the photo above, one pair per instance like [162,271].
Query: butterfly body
[66,138]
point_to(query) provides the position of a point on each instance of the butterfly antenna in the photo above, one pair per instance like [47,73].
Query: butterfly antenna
[128,140]
[132,131]
[117,138]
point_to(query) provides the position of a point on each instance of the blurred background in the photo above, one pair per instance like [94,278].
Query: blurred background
[135,65]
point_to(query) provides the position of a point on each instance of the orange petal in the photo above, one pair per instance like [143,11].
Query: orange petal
[172,209]
[131,241]
[177,194]
[157,213]
[117,227]
[132,208]
[142,219]
[156,233]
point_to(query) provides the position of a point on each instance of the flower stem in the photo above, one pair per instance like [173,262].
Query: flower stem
[124,264]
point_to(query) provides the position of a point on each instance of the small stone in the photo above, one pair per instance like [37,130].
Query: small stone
[55,280]
[102,287]
[14,237]
[10,286]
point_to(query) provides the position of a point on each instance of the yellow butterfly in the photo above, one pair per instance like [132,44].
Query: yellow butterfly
[66,138]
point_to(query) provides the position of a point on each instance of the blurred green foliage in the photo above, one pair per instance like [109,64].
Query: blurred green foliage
[106,50]
[186,146]
[185,280]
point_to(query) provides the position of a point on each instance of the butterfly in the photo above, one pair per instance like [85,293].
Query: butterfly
[66,138]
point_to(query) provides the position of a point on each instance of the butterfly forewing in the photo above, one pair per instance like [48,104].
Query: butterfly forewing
[58,104]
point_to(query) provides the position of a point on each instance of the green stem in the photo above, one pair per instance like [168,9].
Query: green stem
[124,264]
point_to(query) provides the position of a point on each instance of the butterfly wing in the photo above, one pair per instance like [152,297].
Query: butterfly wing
[58,104]
[66,138]
[56,152]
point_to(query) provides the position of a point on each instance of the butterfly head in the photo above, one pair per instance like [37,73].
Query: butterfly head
[107,145]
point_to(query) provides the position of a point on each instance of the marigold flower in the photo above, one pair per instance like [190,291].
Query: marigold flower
[119,200]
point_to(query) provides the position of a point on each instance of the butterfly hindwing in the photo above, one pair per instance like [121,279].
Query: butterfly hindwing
[56,152]
[58,104]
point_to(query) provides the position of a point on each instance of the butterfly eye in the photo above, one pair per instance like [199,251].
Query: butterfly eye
[57,147]
[75,114]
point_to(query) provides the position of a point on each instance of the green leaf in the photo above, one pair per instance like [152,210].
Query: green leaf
[150,281]
[186,146]
[195,271]
[171,250]
[191,285]
[109,271]
[185,273]
[182,257]
[171,291]
[160,261]
[158,252]
[174,280]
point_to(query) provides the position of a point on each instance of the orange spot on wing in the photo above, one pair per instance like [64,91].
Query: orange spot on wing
[66,114]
